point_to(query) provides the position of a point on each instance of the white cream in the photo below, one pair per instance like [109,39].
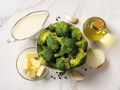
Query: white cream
[29,25]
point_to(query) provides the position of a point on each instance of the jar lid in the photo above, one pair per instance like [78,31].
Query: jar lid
[29,25]
[98,23]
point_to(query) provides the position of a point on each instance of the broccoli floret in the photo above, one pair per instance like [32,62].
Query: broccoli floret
[76,34]
[60,63]
[39,48]
[63,63]
[79,59]
[67,46]
[51,27]
[74,52]
[46,54]
[43,37]
[52,43]
[62,29]
[82,44]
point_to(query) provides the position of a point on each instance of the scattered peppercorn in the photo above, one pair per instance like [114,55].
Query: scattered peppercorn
[59,77]
[65,77]
[59,17]
[60,73]
[56,19]
[85,69]
[63,73]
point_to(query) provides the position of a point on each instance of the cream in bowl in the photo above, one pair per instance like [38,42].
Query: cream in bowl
[29,25]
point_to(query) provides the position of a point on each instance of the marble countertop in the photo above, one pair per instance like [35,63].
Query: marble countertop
[107,78]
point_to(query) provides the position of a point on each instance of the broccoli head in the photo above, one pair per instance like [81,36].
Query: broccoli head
[82,44]
[51,27]
[79,59]
[76,34]
[43,37]
[63,63]
[46,54]
[62,29]
[52,43]
[67,46]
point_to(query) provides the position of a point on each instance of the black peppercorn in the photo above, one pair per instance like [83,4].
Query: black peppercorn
[59,17]
[59,77]
[65,77]
[56,19]
[85,69]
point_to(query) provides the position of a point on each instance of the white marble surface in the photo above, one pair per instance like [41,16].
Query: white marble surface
[107,78]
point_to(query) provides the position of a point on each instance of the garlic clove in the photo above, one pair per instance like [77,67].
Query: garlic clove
[72,19]
[76,75]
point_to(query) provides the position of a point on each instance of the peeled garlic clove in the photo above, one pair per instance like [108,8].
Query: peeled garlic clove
[76,75]
[95,58]
[72,19]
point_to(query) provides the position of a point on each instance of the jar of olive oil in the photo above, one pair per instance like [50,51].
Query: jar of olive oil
[95,28]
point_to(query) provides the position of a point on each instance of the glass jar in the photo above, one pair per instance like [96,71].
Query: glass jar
[95,28]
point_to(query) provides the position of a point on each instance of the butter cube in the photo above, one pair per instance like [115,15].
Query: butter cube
[35,63]
[40,71]
[31,55]
[26,64]
[31,72]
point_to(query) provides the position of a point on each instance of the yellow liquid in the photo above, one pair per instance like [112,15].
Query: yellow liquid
[93,33]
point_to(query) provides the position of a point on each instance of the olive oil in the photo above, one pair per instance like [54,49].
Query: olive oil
[95,28]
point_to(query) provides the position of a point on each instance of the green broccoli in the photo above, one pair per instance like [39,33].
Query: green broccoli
[51,27]
[62,29]
[43,37]
[47,55]
[63,63]
[62,46]
[52,43]
[67,46]
[43,61]
[82,44]
[79,59]
[76,34]
[39,48]
[74,52]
